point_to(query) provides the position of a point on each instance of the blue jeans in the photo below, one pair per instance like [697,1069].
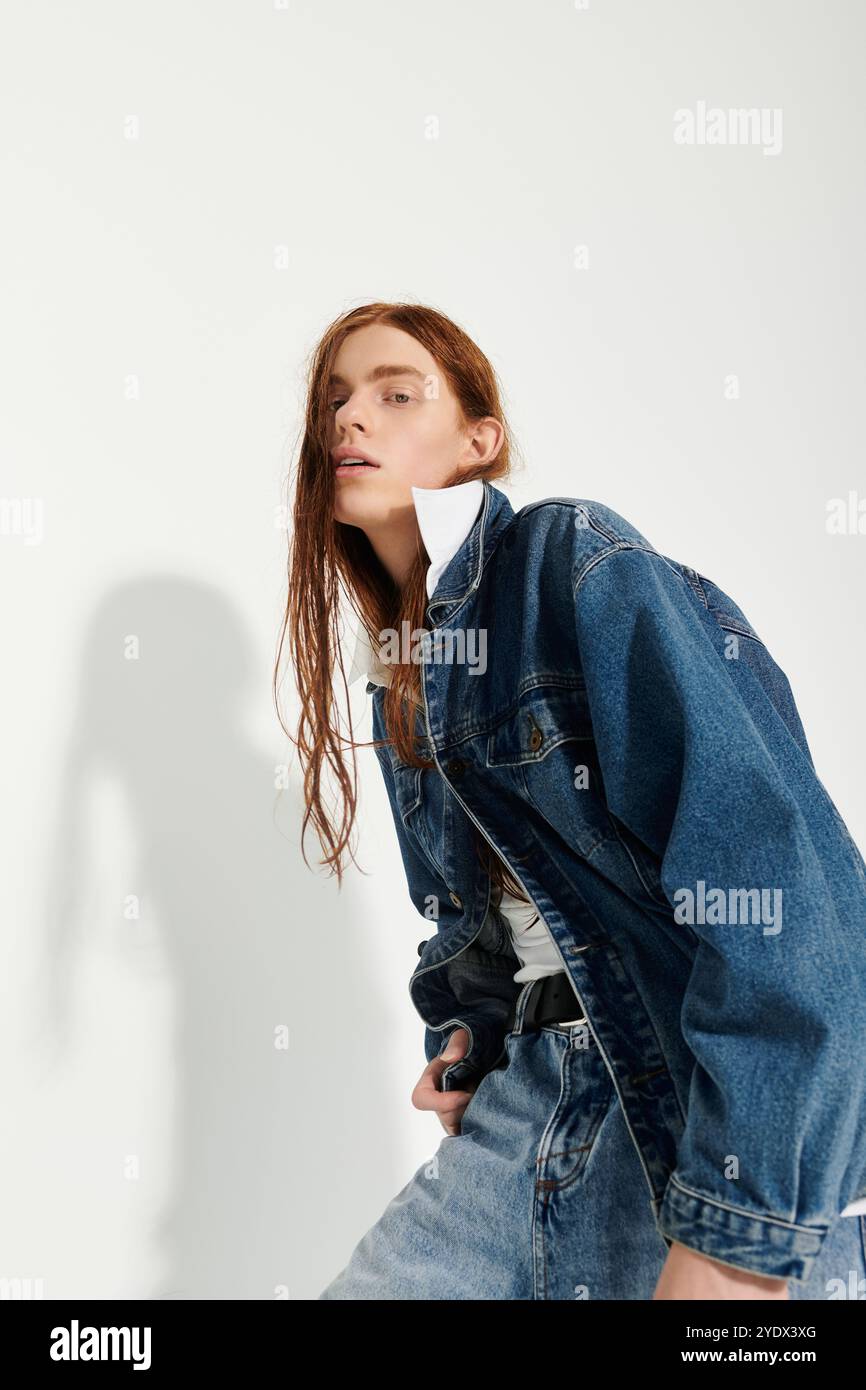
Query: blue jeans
[542,1196]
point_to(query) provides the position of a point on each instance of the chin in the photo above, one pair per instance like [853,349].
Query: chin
[354,516]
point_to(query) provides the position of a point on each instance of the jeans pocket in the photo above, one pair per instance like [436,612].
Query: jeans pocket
[573,1129]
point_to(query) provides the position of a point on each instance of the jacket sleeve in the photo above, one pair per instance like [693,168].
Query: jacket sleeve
[698,762]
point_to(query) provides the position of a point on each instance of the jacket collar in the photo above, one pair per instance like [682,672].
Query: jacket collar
[463,572]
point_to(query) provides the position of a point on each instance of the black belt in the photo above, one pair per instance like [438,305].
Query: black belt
[551,1000]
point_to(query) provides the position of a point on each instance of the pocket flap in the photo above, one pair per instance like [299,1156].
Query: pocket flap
[544,717]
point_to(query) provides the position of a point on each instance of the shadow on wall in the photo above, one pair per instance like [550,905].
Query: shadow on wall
[261,1137]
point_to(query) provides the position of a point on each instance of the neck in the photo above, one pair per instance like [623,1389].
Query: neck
[397,543]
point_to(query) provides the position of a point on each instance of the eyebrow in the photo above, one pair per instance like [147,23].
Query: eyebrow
[377,373]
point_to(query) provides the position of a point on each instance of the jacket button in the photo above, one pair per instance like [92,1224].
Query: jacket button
[536,738]
[421,945]
[458,902]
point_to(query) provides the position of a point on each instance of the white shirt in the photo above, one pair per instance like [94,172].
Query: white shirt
[445,517]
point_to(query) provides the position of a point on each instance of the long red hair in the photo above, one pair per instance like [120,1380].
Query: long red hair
[325,556]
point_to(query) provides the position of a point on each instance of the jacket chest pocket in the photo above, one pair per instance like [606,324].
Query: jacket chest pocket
[543,718]
[548,739]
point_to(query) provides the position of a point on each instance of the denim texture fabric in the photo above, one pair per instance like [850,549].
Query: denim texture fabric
[541,1196]
[612,723]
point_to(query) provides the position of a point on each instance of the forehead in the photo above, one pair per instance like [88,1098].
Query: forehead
[380,349]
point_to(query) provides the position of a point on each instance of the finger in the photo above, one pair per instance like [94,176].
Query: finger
[428,1096]
[455,1048]
[431,1076]
[430,1080]
[441,1064]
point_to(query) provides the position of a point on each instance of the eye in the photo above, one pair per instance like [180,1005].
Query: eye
[335,405]
[402,393]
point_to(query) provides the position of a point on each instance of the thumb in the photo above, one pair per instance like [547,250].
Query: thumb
[456,1045]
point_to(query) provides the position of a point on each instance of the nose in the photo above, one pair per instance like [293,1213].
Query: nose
[349,416]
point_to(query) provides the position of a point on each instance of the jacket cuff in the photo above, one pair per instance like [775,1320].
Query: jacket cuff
[759,1244]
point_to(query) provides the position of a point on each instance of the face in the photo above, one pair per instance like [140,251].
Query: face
[390,401]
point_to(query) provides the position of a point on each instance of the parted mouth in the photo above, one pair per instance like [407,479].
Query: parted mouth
[346,455]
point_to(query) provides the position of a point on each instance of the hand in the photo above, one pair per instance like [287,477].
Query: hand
[687,1274]
[449,1105]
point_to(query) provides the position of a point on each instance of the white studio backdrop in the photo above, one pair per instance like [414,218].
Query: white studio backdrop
[209,1051]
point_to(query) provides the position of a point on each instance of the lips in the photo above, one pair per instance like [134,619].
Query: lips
[346,455]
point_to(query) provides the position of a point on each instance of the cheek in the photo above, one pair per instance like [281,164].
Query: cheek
[433,464]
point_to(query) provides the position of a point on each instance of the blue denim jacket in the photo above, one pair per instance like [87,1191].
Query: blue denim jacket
[611,722]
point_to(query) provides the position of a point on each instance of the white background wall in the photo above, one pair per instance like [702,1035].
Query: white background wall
[193,191]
